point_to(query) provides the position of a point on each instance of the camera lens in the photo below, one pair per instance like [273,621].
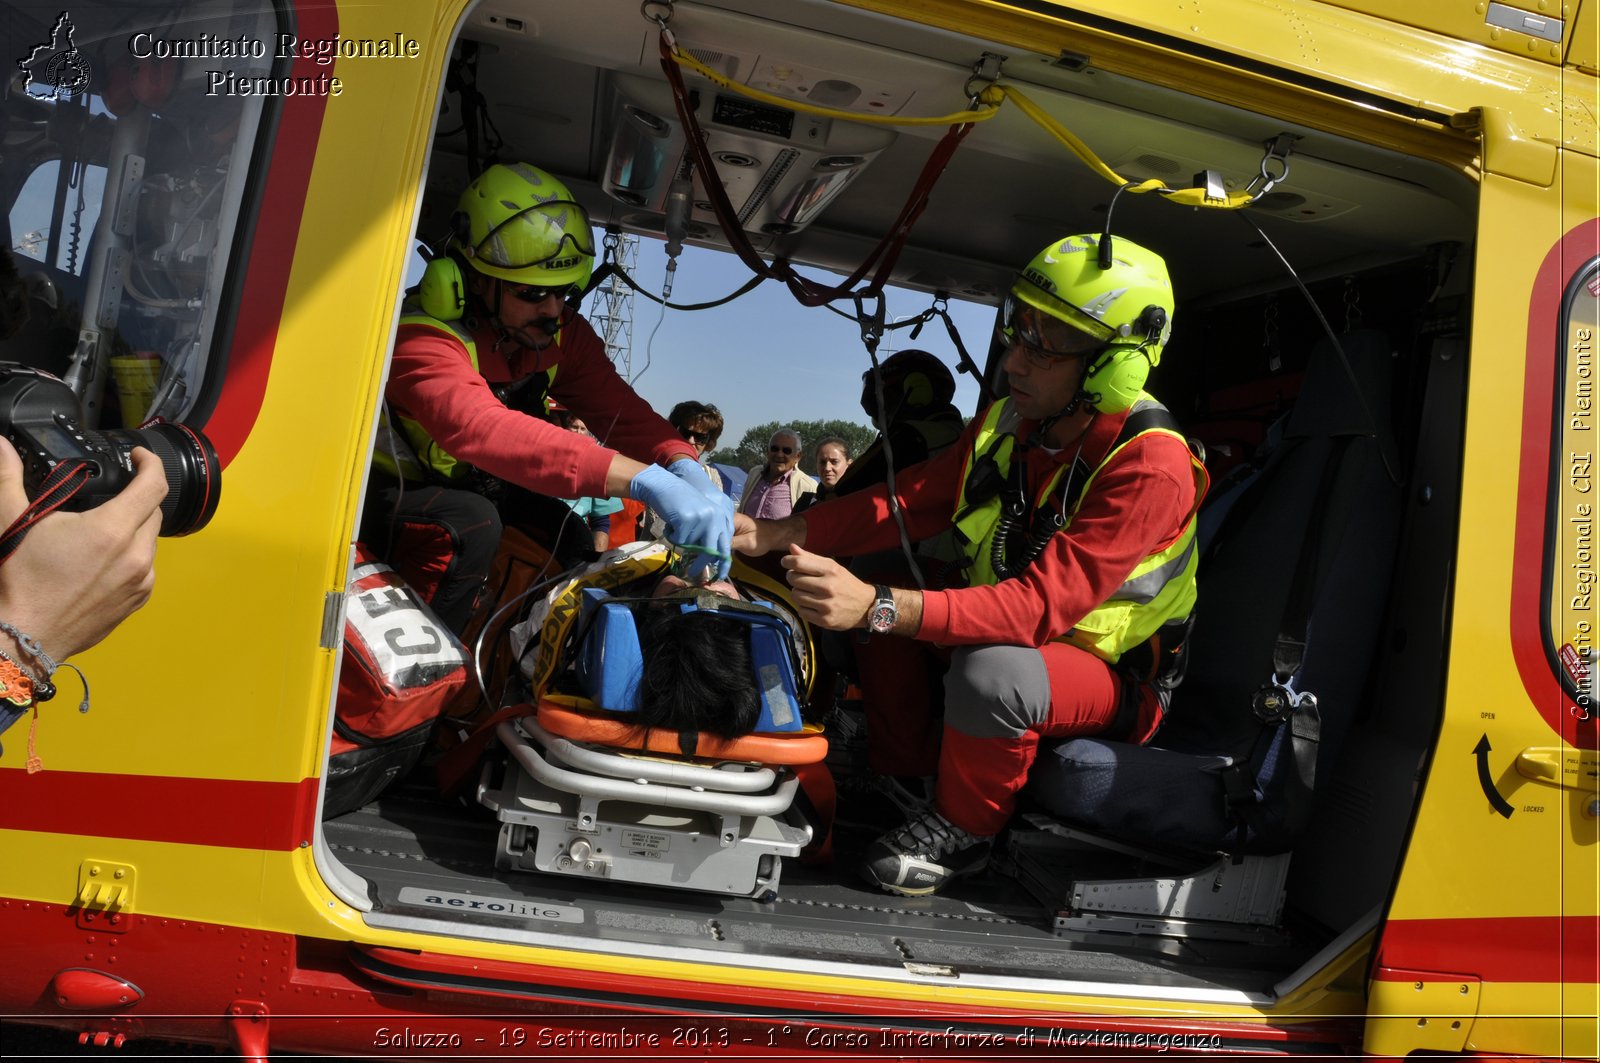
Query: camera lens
[194,476]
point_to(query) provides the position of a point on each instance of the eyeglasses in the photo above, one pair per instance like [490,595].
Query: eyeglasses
[537,236]
[780,450]
[527,293]
[1046,341]
[695,437]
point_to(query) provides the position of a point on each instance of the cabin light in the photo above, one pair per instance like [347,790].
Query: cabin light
[653,125]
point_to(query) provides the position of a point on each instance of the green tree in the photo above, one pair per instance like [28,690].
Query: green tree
[752,448]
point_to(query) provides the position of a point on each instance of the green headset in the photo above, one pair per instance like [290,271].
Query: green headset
[442,292]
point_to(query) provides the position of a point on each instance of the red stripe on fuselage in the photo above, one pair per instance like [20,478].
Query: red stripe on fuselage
[276,232]
[1527,621]
[1548,948]
[236,813]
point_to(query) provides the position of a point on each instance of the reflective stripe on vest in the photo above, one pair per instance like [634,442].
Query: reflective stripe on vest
[411,452]
[1161,586]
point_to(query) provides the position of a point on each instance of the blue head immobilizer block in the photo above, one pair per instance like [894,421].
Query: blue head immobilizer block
[610,663]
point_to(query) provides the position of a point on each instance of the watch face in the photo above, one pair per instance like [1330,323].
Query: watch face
[881,618]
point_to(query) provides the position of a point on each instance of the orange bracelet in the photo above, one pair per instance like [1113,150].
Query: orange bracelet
[16,685]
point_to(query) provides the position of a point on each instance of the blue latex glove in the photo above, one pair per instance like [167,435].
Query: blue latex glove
[695,520]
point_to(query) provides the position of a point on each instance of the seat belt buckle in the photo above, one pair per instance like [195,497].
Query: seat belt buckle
[1276,700]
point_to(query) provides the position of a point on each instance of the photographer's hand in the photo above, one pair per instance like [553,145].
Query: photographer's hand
[76,576]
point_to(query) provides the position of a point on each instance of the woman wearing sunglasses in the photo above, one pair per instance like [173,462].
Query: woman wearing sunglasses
[489,334]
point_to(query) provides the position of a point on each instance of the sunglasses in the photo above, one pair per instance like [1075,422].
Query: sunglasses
[695,437]
[533,296]
[780,450]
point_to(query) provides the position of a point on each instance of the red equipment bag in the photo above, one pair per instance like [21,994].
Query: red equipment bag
[401,667]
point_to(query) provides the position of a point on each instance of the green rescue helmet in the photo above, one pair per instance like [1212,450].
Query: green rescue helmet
[1127,307]
[518,223]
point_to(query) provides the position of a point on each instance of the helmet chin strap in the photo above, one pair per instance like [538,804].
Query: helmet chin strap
[1082,396]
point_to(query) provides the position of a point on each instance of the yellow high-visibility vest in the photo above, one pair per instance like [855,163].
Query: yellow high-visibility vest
[1161,586]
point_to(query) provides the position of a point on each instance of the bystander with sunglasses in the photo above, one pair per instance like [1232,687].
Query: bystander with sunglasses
[772,490]
[700,425]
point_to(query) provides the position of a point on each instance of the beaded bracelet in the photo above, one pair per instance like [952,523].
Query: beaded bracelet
[16,684]
[43,687]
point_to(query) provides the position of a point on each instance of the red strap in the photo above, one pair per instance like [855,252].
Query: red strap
[807,291]
[63,481]
[455,766]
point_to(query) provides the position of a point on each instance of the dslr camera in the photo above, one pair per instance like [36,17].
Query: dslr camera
[42,417]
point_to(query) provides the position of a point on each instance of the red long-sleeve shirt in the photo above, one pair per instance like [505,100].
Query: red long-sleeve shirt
[1136,506]
[432,382]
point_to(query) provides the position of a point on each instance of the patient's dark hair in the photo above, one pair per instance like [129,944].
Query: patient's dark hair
[697,672]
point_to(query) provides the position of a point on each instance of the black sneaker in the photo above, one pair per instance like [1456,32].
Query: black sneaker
[921,857]
[878,803]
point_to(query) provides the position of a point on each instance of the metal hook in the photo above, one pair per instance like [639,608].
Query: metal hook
[972,93]
[871,323]
[659,18]
[1269,334]
[1352,305]
[1275,159]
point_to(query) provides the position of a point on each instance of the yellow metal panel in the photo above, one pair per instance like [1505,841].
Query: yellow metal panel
[1521,1014]
[1467,861]
[1301,60]
[1584,50]
[228,644]
[1430,1016]
[1465,20]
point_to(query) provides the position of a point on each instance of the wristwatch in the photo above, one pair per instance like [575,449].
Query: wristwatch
[882,615]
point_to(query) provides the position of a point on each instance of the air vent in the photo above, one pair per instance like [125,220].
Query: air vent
[774,175]
[723,63]
[1159,164]
[735,159]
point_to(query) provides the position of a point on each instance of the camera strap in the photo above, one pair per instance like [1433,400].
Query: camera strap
[62,482]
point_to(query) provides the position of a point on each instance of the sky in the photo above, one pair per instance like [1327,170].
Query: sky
[764,357]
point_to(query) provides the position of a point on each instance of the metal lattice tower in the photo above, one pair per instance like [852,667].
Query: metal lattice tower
[611,313]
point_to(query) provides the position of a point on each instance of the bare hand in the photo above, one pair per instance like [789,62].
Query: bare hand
[76,576]
[755,537]
[825,592]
